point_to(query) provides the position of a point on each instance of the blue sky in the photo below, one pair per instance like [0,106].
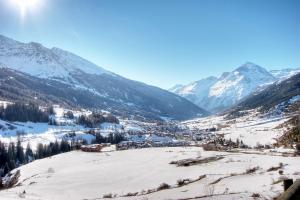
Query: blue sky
[163,42]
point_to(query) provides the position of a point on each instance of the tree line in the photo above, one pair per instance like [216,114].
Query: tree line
[24,112]
[95,119]
[31,112]
[13,155]
[112,138]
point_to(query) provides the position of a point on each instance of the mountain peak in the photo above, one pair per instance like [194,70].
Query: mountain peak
[249,66]
[35,59]
[216,94]
[253,70]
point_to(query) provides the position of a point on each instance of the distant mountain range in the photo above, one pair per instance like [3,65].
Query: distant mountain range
[218,94]
[32,72]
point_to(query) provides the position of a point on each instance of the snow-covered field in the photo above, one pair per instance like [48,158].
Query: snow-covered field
[80,175]
[252,129]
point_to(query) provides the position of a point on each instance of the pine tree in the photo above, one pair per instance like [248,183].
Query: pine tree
[51,110]
[99,138]
[65,146]
[40,151]
[110,138]
[4,159]
[118,137]
[11,163]
[55,148]
[20,157]
[28,154]
[237,142]
[47,150]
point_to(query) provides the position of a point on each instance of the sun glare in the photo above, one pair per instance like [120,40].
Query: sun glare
[26,6]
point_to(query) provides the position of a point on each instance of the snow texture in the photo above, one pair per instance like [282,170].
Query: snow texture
[79,175]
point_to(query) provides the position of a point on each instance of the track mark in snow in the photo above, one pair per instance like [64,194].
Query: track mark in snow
[155,190]
[214,195]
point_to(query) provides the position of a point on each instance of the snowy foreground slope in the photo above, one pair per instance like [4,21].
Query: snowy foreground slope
[79,175]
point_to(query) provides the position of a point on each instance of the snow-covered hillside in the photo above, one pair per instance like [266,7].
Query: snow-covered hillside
[253,128]
[275,95]
[70,79]
[217,94]
[198,91]
[37,60]
[138,174]
[283,74]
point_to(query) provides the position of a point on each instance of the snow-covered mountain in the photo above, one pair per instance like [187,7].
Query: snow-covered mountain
[283,74]
[39,61]
[175,88]
[279,97]
[218,94]
[198,91]
[55,75]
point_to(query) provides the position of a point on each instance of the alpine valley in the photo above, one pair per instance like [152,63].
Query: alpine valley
[70,129]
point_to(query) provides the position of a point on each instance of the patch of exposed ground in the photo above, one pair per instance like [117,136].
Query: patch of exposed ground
[195,161]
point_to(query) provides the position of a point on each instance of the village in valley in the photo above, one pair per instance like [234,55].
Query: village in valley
[188,152]
[149,100]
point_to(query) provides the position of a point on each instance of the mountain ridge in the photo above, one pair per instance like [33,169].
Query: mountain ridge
[82,80]
[231,87]
[275,96]
[35,59]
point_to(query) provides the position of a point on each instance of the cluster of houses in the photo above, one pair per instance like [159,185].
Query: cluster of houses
[94,147]
[150,140]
